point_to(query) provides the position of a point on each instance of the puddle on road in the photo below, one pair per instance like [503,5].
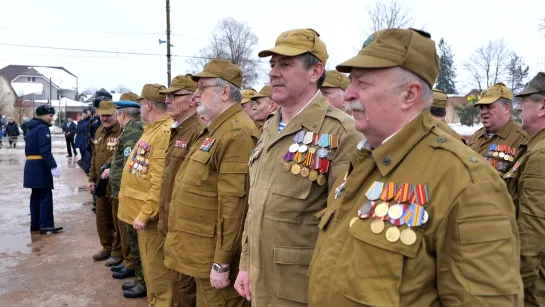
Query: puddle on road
[15,243]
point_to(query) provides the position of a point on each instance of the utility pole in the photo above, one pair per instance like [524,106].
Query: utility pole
[168,43]
[50,91]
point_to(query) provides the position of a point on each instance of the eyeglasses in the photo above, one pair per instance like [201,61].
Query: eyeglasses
[174,96]
[201,88]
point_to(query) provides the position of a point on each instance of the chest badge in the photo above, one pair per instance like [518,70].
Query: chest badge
[207,144]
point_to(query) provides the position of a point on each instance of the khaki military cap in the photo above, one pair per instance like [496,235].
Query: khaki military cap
[266,91]
[495,92]
[536,86]
[439,99]
[407,48]
[153,92]
[181,82]
[336,79]
[247,95]
[106,107]
[129,96]
[223,69]
[297,42]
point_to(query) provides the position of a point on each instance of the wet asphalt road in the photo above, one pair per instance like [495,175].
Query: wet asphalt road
[53,270]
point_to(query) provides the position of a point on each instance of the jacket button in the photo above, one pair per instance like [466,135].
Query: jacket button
[386,161]
[441,139]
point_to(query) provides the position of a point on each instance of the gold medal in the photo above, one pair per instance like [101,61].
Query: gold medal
[305,172]
[392,234]
[511,159]
[296,169]
[506,157]
[377,226]
[381,210]
[353,220]
[313,175]
[408,236]
[495,154]
[321,180]
[286,166]
[143,176]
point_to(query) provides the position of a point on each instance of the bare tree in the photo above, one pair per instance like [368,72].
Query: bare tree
[89,91]
[385,15]
[488,64]
[542,25]
[231,40]
[121,88]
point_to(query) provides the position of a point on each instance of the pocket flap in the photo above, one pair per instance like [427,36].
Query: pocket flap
[361,230]
[179,152]
[204,230]
[234,168]
[293,255]
[200,156]
[299,190]
[483,230]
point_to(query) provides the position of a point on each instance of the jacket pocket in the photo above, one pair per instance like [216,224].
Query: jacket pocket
[298,189]
[369,268]
[140,195]
[193,173]
[197,240]
[290,272]
[179,152]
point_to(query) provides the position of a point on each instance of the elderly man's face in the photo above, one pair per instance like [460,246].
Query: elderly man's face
[262,107]
[108,121]
[334,97]
[495,115]
[375,100]
[208,98]
[289,78]
[532,114]
[179,103]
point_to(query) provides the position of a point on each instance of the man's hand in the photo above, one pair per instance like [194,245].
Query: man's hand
[56,172]
[138,224]
[91,186]
[242,285]
[68,133]
[219,280]
[106,173]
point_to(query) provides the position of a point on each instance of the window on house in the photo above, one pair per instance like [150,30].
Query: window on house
[31,79]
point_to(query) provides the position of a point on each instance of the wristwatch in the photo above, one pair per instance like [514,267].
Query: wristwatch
[217,267]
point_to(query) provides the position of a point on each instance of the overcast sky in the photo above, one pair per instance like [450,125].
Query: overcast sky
[137,25]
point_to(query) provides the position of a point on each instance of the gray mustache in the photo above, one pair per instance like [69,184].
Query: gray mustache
[355,105]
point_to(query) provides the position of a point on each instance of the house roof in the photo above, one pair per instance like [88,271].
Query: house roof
[61,77]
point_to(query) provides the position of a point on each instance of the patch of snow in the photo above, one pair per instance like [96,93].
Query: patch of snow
[22,89]
[465,130]
[60,77]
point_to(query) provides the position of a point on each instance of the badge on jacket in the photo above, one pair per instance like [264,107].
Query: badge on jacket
[181,144]
[207,144]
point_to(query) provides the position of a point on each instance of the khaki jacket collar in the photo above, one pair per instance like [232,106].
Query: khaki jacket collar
[310,118]
[535,139]
[503,132]
[388,155]
[224,116]
[113,129]
[156,124]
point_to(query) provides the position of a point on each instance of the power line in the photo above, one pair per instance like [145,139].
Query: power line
[101,32]
[101,51]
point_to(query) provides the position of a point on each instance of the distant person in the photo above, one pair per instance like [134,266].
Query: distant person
[12,132]
[246,102]
[333,89]
[40,167]
[69,130]
[24,126]
[81,141]
[438,110]
[263,106]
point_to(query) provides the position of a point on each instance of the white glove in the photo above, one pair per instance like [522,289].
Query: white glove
[56,172]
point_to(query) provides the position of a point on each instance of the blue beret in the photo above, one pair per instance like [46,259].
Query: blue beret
[126,104]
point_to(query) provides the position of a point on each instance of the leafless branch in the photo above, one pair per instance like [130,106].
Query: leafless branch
[388,15]
[488,64]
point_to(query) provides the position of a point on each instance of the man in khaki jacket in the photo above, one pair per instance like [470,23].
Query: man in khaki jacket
[140,189]
[106,138]
[439,110]
[419,219]
[208,202]
[302,150]
[263,106]
[246,102]
[187,126]
[526,184]
[499,138]
[333,89]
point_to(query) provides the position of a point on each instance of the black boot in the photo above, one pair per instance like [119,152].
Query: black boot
[128,285]
[135,292]
[123,273]
[50,230]
[117,268]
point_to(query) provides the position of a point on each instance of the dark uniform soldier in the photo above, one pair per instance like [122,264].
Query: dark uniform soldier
[439,110]
[301,151]
[208,202]
[140,190]
[419,219]
[106,138]
[246,102]
[40,167]
[181,107]
[333,89]
[526,184]
[263,106]
[499,138]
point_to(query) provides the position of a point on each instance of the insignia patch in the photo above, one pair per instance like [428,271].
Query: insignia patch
[207,144]
[181,144]
[368,41]
[127,151]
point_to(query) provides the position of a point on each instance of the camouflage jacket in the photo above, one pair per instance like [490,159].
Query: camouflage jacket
[130,135]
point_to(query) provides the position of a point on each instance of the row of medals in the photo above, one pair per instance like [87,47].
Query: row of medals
[305,172]
[508,154]
[140,164]
[112,143]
